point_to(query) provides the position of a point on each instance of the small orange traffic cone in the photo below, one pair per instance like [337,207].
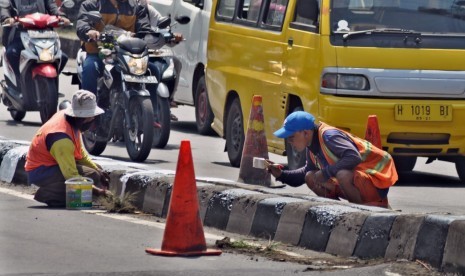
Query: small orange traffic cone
[372,133]
[254,146]
[184,234]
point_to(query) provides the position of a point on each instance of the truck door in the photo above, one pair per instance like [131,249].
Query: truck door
[302,57]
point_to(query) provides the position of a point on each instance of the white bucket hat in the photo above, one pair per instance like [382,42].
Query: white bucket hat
[83,105]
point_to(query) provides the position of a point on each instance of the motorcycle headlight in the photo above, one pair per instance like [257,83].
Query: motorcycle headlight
[45,54]
[137,66]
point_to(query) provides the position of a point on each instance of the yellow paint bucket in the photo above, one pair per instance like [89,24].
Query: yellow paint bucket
[79,193]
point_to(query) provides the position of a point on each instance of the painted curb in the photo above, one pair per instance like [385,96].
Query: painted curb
[311,222]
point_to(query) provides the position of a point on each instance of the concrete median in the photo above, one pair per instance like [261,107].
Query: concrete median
[315,223]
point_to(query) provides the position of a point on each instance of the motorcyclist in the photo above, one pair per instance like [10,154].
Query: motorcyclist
[126,14]
[11,37]
[154,17]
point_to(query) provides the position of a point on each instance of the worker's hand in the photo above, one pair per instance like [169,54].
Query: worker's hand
[65,21]
[105,179]
[93,35]
[107,193]
[9,21]
[273,168]
[102,192]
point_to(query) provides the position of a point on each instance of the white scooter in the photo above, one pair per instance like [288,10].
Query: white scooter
[40,61]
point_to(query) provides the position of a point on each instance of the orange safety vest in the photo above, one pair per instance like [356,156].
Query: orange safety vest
[376,163]
[38,155]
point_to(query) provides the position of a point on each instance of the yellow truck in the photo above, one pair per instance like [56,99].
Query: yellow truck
[342,60]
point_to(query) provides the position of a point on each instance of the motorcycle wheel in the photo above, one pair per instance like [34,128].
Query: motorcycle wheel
[91,143]
[139,137]
[161,122]
[203,111]
[17,115]
[47,87]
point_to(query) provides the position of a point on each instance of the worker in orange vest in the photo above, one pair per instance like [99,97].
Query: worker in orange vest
[339,164]
[56,153]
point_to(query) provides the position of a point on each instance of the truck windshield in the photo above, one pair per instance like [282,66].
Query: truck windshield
[422,16]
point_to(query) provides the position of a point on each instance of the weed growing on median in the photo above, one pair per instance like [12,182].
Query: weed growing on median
[272,246]
[115,204]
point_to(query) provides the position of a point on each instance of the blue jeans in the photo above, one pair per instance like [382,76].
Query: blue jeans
[92,69]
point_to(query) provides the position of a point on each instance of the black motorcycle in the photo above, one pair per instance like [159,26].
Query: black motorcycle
[161,55]
[121,92]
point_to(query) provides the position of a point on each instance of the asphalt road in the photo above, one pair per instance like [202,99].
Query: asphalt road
[36,240]
[40,241]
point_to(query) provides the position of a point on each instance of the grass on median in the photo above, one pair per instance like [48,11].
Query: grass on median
[115,204]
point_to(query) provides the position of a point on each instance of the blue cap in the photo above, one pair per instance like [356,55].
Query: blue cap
[296,121]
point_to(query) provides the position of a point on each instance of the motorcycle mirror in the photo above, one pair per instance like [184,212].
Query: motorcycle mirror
[94,16]
[4,4]
[69,4]
[164,22]
[182,19]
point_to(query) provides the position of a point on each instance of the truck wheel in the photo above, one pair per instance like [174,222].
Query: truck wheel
[18,116]
[235,133]
[203,111]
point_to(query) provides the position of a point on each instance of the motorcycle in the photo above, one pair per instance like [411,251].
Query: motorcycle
[162,55]
[39,66]
[122,93]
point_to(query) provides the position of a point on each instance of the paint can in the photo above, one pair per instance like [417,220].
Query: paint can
[79,193]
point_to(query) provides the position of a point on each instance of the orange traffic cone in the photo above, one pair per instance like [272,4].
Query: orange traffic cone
[184,234]
[372,133]
[254,146]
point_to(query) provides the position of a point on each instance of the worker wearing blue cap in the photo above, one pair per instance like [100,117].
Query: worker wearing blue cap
[339,164]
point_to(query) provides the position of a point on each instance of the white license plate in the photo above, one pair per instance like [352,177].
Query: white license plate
[140,79]
[423,112]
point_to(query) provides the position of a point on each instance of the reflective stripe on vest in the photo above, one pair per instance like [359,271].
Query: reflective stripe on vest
[376,163]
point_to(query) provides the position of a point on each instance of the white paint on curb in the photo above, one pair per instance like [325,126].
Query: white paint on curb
[10,161]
